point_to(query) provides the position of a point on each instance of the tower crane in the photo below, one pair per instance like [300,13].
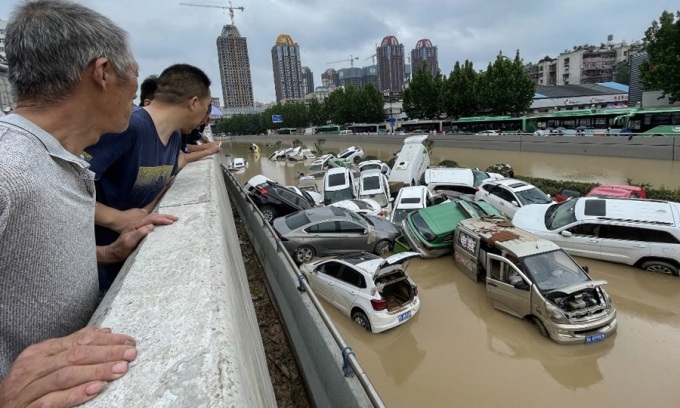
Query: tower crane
[351,61]
[372,57]
[231,8]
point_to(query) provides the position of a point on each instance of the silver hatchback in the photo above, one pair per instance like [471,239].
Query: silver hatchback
[332,231]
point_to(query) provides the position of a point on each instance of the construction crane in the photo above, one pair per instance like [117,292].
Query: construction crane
[231,8]
[372,57]
[351,61]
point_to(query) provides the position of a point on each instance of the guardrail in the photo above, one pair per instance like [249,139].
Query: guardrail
[333,379]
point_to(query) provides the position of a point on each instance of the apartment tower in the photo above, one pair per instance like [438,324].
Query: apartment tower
[237,84]
[390,58]
[425,53]
[287,69]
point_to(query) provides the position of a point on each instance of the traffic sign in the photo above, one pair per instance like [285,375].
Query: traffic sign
[277,118]
[393,122]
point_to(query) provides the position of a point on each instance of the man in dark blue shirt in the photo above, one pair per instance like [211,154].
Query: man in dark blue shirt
[134,168]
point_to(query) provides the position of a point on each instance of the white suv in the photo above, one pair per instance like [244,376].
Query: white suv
[508,195]
[642,233]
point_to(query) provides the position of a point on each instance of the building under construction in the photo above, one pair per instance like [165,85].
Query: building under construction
[237,84]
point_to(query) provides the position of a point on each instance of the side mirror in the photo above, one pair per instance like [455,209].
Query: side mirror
[566,234]
[515,203]
[365,231]
[391,199]
[521,285]
[585,269]
[548,195]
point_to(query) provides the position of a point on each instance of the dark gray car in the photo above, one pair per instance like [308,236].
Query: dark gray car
[332,231]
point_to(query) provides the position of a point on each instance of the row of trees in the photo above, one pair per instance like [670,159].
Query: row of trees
[348,105]
[503,89]
[661,69]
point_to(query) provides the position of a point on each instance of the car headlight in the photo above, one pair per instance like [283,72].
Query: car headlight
[555,314]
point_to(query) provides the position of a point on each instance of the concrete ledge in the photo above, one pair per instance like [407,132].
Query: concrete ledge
[185,298]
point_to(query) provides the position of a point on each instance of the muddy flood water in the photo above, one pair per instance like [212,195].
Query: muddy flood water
[458,351]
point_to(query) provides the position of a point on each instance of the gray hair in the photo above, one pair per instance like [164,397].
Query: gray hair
[50,43]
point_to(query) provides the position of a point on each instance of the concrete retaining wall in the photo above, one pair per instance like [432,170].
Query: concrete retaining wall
[184,296]
[319,356]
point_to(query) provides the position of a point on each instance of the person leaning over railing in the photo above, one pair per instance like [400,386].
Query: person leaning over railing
[75,78]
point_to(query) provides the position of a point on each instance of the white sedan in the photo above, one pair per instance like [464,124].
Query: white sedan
[508,195]
[374,292]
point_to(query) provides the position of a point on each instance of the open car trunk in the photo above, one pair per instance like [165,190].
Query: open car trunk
[395,289]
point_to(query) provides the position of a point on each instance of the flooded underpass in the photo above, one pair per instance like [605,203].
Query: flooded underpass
[458,351]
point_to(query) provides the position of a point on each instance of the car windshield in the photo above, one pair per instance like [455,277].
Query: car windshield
[422,227]
[345,153]
[401,213]
[478,176]
[315,167]
[532,196]
[370,183]
[371,166]
[559,215]
[554,270]
[330,197]
[337,179]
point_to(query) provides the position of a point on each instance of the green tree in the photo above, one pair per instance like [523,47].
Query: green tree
[421,98]
[622,74]
[505,88]
[457,97]
[662,43]
[315,113]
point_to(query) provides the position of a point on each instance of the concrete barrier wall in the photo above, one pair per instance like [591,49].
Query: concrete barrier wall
[318,354]
[184,296]
[655,148]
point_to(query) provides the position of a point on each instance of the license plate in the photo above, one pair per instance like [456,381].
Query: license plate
[404,316]
[594,338]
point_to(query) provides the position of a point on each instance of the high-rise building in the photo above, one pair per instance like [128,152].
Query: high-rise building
[351,77]
[307,81]
[287,69]
[370,75]
[3,28]
[330,78]
[237,84]
[425,53]
[390,58]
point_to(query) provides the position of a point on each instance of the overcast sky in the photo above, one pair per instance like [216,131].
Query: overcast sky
[163,32]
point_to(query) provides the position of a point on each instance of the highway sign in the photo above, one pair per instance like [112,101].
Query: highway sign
[277,118]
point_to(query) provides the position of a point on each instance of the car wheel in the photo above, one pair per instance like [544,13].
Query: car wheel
[268,212]
[382,247]
[541,327]
[660,267]
[304,254]
[361,319]
[357,159]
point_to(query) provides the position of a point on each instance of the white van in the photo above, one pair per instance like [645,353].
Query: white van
[410,164]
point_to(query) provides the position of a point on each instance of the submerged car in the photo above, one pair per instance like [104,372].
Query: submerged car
[463,180]
[411,199]
[374,186]
[274,200]
[361,206]
[636,232]
[338,185]
[508,195]
[352,154]
[429,231]
[331,231]
[375,292]
[374,165]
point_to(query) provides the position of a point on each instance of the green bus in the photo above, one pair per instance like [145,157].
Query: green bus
[286,131]
[327,130]
[652,122]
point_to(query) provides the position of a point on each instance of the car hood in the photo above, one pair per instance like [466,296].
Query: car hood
[576,287]
[531,217]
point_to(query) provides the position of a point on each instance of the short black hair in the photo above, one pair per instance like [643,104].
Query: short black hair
[148,89]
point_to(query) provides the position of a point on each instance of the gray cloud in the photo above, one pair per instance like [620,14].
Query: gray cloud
[163,32]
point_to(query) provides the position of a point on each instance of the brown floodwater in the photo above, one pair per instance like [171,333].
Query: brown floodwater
[460,351]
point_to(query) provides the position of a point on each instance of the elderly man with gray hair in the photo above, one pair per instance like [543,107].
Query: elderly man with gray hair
[75,79]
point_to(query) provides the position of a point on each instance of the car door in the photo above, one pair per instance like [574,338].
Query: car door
[501,275]
[322,236]
[623,244]
[580,240]
[351,236]
[501,199]
[347,287]
[324,279]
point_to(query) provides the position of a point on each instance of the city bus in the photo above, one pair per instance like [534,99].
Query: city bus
[368,128]
[652,122]
[476,124]
[286,131]
[327,130]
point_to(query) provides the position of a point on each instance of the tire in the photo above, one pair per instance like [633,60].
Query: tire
[541,327]
[357,159]
[361,319]
[268,212]
[382,247]
[304,254]
[660,267]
